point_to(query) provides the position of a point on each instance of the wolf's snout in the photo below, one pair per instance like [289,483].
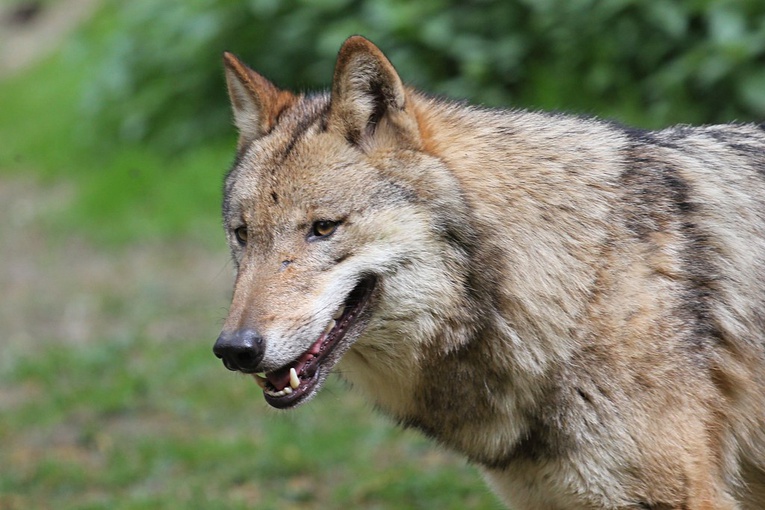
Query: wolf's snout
[241,350]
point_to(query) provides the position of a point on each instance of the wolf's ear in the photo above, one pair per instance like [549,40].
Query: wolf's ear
[368,95]
[256,102]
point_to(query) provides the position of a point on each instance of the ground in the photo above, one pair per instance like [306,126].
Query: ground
[67,290]
[30,29]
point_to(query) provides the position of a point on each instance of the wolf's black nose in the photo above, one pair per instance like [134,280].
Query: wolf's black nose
[240,350]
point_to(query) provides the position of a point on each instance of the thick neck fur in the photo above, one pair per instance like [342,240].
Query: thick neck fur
[531,295]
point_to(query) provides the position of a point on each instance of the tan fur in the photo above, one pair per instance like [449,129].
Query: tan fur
[577,307]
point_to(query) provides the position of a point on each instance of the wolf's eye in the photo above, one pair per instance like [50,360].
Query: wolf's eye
[323,228]
[241,235]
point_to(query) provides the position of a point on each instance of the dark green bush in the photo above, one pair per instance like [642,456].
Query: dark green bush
[649,62]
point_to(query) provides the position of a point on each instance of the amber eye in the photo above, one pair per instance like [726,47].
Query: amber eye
[241,235]
[323,228]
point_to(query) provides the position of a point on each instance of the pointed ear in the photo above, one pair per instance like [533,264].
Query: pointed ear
[368,95]
[256,102]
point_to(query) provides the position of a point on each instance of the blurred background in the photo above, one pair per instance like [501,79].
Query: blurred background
[115,135]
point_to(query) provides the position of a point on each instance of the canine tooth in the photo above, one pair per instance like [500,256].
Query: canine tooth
[287,390]
[329,327]
[339,312]
[261,381]
[294,379]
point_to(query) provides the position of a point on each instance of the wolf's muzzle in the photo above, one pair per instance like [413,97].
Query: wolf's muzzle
[241,350]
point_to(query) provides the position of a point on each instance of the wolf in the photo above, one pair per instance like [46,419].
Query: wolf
[575,306]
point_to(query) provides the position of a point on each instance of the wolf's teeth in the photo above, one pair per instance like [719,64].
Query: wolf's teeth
[287,390]
[294,379]
[339,312]
[330,326]
[260,380]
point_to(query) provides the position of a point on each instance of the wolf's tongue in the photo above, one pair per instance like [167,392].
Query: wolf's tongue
[280,379]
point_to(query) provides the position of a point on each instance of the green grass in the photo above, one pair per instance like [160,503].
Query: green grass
[138,424]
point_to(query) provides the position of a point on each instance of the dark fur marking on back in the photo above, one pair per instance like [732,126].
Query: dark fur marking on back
[659,199]
[741,142]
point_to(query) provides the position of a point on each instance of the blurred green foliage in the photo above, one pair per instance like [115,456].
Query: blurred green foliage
[158,78]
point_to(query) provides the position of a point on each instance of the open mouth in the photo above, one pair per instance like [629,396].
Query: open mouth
[293,383]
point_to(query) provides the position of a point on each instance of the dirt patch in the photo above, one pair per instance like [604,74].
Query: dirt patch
[30,29]
[66,290]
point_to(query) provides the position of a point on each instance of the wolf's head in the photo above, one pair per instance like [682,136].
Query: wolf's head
[346,230]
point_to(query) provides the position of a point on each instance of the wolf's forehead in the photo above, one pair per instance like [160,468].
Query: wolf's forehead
[308,115]
[268,162]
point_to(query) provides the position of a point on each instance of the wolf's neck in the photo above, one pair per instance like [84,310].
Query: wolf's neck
[540,195]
